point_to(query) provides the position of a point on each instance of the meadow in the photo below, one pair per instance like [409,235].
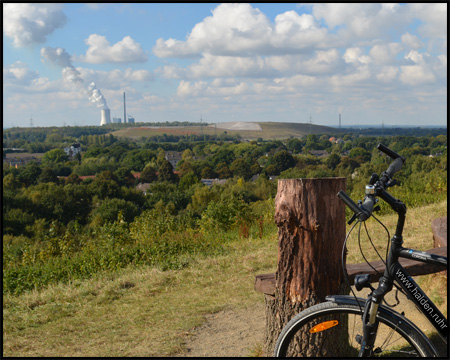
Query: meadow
[142,310]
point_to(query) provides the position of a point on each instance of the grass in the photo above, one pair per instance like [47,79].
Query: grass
[148,312]
[270,130]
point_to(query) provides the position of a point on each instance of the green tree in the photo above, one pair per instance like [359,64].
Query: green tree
[282,160]
[124,177]
[11,182]
[109,209]
[295,145]
[105,186]
[55,156]
[359,151]
[333,160]
[48,175]
[223,171]
[166,172]
[30,173]
[73,179]
[240,168]
[148,175]
[187,181]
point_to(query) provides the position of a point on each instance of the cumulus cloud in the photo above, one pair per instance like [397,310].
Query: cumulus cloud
[240,29]
[29,24]
[19,74]
[416,75]
[367,20]
[100,51]
[355,55]
[412,41]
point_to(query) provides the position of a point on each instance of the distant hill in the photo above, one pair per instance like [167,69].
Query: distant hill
[247,130]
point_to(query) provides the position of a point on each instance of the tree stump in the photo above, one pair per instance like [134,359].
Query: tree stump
[311,232]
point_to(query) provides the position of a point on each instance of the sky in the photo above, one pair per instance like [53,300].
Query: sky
[374,64]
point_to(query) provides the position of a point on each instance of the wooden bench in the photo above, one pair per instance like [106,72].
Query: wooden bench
[265,283]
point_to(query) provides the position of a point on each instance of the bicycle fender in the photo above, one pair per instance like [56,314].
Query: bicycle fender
[351,300]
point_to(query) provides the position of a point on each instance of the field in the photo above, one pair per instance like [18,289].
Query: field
[143,311]
[269,130]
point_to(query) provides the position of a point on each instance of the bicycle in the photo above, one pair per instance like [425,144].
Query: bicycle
[349,326]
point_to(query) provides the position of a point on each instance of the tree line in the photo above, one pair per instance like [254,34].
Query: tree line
[51,214]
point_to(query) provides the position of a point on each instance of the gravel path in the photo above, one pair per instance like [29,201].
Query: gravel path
[228,333]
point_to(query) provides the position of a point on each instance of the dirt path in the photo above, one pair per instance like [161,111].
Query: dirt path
[237,333]
[228,333]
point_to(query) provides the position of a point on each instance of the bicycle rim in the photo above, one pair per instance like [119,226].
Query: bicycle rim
[333,330]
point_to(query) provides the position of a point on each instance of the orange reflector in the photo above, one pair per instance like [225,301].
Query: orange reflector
[323,326]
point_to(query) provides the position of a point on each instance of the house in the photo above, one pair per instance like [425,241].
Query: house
[210,182]
[174,157]
[73,150]
[319,153]
[21,159]
[144,187]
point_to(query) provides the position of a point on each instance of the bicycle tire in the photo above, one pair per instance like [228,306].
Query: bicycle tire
[395,331]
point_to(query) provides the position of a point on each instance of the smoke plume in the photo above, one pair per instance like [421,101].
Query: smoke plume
[59,56]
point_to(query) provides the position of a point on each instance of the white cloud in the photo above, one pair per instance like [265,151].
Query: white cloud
[354,56]
[185,88]
[388,74]
[412,41]
[360,20]
[101,52]
[19,74]
[385,53]
[433,17]
[415,57]
[240,29]
[29,24]
[416,75]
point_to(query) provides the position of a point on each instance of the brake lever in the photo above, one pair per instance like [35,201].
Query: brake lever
[353,218]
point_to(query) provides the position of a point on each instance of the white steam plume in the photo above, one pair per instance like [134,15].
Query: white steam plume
[59,56]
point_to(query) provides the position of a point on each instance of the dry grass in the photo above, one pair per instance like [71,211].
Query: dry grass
[147,312]
[270,130]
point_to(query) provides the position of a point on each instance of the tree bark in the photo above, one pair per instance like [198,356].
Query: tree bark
[311,232]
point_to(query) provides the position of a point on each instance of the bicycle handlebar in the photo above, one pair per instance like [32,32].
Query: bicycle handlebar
[365,209]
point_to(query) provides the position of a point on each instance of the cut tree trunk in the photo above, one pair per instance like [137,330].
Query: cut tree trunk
[311,233]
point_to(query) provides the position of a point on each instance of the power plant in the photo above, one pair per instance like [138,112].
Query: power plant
[106,115]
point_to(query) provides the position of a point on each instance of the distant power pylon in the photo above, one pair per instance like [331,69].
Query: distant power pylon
[31,121]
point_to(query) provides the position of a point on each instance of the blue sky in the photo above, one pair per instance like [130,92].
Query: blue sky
[371,63]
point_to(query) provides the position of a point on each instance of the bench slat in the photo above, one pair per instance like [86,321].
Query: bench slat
[265,283]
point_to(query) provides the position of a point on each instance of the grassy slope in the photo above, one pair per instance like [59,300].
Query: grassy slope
[270,130]
[146,312]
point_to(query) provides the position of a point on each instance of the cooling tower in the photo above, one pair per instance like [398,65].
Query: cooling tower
[106,117]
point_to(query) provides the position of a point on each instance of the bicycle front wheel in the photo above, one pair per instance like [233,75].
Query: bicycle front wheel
[335,330]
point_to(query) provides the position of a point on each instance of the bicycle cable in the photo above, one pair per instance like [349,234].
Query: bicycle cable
[344,269]
[398,288]
[362,253]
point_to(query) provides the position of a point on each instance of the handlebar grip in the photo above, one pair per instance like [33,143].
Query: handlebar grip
[396,165]
[367,206]
[388,151]
[349,202]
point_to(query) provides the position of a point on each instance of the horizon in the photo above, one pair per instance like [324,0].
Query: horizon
[333,127]
[212,62]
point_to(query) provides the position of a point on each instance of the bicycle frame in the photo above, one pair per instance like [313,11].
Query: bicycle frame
[394,271]
[416,294]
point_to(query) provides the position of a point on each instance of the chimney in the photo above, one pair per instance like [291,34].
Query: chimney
[106,116]
[124,110]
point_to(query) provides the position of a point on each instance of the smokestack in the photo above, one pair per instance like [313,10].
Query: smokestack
[124,110]
[106,116]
